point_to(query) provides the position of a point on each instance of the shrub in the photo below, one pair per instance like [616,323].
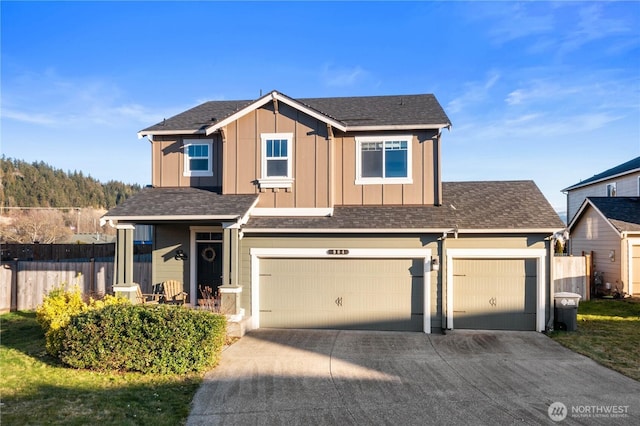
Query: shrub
[59,307]
[150,339]
[55,313]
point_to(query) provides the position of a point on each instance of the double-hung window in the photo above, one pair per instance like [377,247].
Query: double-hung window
[276,160]
[198,157]
[611,189]
[383,159]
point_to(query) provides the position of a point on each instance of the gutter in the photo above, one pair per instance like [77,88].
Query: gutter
[443,231]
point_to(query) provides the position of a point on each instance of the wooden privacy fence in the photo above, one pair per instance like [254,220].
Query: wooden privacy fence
[23,284]
[77,252]
[571,274]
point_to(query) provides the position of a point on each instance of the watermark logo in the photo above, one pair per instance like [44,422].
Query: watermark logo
[557,411]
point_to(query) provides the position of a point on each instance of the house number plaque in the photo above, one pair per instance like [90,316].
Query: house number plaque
[338,251]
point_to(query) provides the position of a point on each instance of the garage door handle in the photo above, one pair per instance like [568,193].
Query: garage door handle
[493,301]
[339,301]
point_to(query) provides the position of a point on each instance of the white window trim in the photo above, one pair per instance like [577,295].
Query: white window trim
[276,181]
[197,173]
[384,180]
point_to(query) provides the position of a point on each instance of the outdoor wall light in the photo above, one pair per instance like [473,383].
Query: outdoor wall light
[180,255]
[435,264]
[612,255]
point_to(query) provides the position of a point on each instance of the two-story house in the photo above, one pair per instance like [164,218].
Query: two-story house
[331,213]
[604,213]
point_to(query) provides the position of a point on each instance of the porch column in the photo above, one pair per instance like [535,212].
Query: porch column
[230,291]
[123,277]
[226,255]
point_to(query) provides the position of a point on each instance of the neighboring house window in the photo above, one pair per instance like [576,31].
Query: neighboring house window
[277,150]
[198,157]
[611,190]
[638,186]
[383,159]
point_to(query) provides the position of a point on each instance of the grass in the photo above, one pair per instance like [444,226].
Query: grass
[609,333]
[35,388]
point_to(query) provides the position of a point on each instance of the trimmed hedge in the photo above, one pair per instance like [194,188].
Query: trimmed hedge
[150,339]
[60,306]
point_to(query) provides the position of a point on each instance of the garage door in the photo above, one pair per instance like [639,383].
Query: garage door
[494,294]
[635,269]
[360,294]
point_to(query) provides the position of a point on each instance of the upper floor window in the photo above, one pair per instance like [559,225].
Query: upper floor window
[383,159]
[277,160]
[198,157]
[611,189]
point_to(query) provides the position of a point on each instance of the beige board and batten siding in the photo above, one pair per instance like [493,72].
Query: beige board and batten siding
[595,234]
[167,239]
[167,165]
[424,173]
[407,290]
[309,151]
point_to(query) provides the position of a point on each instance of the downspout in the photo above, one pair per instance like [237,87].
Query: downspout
[438,172]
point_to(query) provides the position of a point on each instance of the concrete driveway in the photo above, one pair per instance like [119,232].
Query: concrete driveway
[326,377]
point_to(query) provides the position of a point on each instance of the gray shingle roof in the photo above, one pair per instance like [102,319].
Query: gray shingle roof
[354,111]
[159,203]
[629,166]
[490,205]
[622,212]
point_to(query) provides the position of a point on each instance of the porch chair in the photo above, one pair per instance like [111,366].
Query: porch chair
[146,299]
[174,293]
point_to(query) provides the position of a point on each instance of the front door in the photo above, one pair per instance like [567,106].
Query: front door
[209,264]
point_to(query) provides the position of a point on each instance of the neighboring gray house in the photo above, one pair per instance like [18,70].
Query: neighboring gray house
[604,213]
[331,213]
[619,181]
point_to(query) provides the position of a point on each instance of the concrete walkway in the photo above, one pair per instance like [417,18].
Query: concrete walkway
[326,377]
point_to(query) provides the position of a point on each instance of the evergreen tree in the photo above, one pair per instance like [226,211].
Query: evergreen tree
[40,185]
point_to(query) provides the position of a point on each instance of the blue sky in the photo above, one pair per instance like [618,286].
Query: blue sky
[547,91]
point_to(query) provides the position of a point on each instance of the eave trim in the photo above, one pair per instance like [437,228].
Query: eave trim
[158,218]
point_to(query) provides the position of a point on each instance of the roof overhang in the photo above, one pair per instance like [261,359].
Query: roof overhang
[602,179]
[167,218]
[399,127]
[142,133]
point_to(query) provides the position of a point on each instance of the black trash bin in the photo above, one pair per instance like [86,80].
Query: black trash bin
[566,311]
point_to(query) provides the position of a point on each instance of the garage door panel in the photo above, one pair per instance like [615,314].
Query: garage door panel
[341,293]
[494,294]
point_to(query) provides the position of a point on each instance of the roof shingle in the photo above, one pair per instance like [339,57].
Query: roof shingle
[157,203]
[490,205]
[354,111]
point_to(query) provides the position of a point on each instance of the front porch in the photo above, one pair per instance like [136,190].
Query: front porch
[195,240]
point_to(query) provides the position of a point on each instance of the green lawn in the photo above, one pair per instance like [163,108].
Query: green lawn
[609,333]
[37,389]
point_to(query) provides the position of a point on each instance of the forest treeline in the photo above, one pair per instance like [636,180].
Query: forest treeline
[38,184]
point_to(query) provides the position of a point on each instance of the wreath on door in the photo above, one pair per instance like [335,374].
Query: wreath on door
[208,254]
